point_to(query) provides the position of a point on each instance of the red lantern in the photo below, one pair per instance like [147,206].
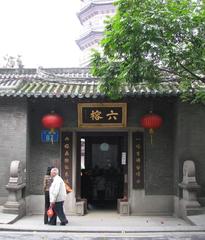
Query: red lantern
[151,121]
[52,121]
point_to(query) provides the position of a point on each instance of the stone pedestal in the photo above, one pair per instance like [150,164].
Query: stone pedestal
[81,207]
[123,207]
[189,204]
[16,203]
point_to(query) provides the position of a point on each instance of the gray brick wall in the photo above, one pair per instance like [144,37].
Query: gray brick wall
[186,122]
[190,141]
[13,142]
[158,156]
[181,137]
[43,155]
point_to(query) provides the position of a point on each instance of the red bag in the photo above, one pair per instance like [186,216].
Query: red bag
[50,212]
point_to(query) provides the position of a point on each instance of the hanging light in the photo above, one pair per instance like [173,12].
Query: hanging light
[151,121]
[52,121]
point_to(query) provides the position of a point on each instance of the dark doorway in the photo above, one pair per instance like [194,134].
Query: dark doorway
[103,165]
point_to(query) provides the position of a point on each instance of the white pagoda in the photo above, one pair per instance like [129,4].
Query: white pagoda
[92,15]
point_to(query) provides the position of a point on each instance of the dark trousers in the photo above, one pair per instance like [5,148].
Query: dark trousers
[58,209]
[47,204]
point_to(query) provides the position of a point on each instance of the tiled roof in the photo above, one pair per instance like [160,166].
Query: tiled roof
[42,73]
[62,82]
[94,3]
[89,36]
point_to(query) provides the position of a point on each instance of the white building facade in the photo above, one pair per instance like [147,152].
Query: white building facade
[92,16]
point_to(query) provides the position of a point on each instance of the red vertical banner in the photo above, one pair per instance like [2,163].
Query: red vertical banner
[66,157]
[138,161]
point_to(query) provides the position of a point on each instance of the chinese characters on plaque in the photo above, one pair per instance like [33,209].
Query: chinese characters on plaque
[67,156]
[102,115]
[138,164]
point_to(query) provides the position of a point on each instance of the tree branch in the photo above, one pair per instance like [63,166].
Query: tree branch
[186,69]
[168,71]
[190,72]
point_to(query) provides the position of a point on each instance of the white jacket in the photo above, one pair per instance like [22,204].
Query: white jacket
[57,191]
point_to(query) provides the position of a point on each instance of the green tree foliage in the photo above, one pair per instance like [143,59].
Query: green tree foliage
[152,41]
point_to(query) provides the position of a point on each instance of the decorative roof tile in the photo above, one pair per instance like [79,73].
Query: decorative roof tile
[67,82]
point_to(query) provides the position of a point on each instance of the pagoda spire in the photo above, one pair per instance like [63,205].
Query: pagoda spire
[92,16]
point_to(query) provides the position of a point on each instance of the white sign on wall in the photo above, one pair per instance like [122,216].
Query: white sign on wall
[123,158]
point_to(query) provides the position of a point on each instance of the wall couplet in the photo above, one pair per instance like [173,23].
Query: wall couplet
[66,156]
[138,160]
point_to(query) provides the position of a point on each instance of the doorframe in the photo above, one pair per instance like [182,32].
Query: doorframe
[81,134]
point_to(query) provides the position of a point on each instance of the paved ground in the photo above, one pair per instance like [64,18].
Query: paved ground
[109,219]
[100,236]
[106,222]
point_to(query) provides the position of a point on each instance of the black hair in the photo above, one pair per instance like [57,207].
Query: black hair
[48,172]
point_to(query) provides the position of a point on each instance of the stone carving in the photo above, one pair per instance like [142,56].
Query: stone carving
[189,177]
[16,173]
[16,203]
[189,172]
[190,187]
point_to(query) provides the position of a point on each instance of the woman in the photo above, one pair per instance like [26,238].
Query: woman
[46,185]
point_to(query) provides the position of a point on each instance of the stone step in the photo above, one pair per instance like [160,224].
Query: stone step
[195,211]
